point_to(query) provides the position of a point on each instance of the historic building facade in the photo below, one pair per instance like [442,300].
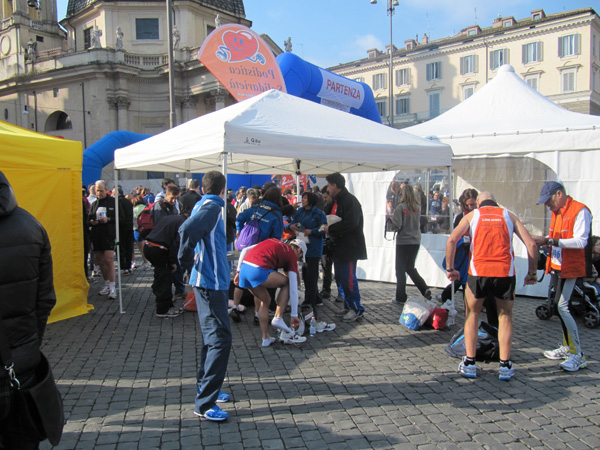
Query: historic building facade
[109,70]
[557,54]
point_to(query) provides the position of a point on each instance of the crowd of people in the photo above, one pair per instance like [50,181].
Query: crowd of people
[297,236]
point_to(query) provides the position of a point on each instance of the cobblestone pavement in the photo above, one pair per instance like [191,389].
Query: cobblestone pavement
[128,382]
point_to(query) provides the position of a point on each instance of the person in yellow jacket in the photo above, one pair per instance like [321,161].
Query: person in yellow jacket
[569,239]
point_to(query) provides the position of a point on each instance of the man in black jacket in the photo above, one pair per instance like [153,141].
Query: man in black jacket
[349,243]
[161,248]
[192,196]
[102,219]
[126,238]
[26,299]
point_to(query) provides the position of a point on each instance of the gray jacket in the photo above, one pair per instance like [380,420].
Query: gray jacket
[408,224]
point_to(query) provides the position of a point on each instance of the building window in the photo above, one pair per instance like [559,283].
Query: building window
[468,91]
[532,52]
[403,77]
[379,81]
[210,29]
[533,81]
[508,23]
[403,105]
[468,64]
[87,38]
[569,45]
[537,16]
[568,80]
[434,71]
[434,104]
[146,29]
[498,58]
[382,107]
[472,32]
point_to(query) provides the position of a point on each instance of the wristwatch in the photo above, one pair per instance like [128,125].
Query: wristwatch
[450,270]
[552,242]
[532,274]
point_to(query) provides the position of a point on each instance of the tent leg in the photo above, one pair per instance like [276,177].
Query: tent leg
[118,240]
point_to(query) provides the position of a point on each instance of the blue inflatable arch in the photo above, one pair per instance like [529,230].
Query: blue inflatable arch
[102,153]
[305,80]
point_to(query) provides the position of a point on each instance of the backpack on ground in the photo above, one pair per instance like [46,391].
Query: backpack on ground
[250,233]
[145,221]
[488,348]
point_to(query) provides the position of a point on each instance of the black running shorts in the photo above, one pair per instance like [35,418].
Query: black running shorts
[500,287]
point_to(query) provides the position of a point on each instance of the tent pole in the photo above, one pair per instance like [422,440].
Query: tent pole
[298,173]
[117,242]
[226,199]
[451,212]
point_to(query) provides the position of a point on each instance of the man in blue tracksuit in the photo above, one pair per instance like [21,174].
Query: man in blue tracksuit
[203,253]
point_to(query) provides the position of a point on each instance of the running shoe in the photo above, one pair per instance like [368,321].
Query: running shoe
[324,326]
[234,314]
[469,371]
[506,373]
[291,338]
[352,315]
[214,414]
[112,294]
[561,352]
[172,312]
[574,363]
[105,291]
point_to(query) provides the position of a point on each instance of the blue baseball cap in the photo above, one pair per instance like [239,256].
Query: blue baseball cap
[549,188]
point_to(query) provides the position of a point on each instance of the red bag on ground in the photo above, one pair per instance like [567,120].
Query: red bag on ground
[190,302]
[438,318]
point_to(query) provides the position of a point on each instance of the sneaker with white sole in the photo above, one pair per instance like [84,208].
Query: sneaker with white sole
[214,414]
[574,363]
[561,352]
[267,342]
[291,338]
[112,294]
[104,291]
[324,326]
[352,315]
[467,371]
[506,373]
[221,398]
[172,312]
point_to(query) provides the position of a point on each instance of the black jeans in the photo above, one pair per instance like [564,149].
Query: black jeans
[163,277]
[11,435]
[327,264]
[406,255]
[126,248]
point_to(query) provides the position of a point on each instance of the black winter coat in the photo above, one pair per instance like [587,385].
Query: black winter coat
[26,283]
[347,235]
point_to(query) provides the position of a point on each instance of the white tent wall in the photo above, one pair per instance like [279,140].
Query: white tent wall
[370,190]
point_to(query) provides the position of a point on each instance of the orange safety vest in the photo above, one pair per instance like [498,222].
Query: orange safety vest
[576,262]
[492,252]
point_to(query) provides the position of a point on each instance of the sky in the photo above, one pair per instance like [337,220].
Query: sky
[331,32]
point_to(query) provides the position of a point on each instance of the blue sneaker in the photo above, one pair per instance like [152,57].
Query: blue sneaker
[469,371]
[214,414]
[506,373]
[222,398]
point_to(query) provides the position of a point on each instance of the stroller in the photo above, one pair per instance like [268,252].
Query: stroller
[584,302]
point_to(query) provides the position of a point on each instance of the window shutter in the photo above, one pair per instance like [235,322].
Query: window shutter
[540,51]
[524,54]
[475,63]
[462,65]
[428,67]
[506,56]
[439,74]
[384,79]
[560,47]
[492,63]
[577,44]
[408,80]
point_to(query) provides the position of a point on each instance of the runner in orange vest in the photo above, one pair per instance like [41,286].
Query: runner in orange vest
[491,272]
[570,242]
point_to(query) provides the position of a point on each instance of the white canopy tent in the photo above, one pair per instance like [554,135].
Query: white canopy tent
[277,133]
[509,139]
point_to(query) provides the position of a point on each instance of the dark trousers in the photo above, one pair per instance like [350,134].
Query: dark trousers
[11,435]
[126,248]
[163,277]
[178,280]
[87,245]
[216,346]
[327,265]
[406,255]
[311,280]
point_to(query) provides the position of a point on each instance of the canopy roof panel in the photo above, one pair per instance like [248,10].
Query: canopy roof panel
[276,133]
[509,116]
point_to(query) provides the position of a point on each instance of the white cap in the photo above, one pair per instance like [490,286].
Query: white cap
[302,245]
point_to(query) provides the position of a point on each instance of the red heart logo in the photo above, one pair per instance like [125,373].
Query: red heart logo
[242,45]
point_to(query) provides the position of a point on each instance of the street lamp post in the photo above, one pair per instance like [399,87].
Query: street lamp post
[391,5]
